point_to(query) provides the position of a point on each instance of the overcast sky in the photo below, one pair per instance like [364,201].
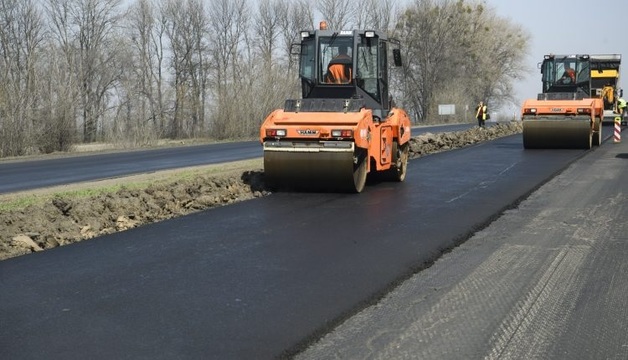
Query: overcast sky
[567,27]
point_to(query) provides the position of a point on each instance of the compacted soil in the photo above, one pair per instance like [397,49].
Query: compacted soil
[46,218]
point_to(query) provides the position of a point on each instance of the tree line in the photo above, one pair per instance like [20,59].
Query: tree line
[81,71]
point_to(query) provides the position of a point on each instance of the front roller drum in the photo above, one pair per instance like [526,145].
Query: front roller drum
[557,134]
[318,171]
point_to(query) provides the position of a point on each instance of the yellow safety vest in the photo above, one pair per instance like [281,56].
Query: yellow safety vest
[483,110]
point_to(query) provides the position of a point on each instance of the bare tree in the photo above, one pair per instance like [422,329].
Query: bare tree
[299,16]
[269,90]
[85,30]
[199,65]
[229,25]
[61,82]
[21,36]
[451,48]
[427,31]
[266,28]
[96,20]
[376,14]
[339,14]
[157,75]
[141,72]
[186,29]
[501,62]
[74,69]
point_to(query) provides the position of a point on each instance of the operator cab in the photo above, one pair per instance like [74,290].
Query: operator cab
[566,77]
[346,65]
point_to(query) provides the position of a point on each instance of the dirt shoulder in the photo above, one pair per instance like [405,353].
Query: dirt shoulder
[42,219]
[46,218]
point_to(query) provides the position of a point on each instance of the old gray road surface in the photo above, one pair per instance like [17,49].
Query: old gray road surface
[548,280]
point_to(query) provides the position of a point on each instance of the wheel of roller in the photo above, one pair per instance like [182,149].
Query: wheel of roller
[359,173]
[400,159]
[597,135]
[586,145]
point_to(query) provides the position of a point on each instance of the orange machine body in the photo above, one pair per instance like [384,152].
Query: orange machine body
[566,114]
[338,132]
[359,128]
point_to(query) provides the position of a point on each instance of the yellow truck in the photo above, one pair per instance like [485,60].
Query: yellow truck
[605,83]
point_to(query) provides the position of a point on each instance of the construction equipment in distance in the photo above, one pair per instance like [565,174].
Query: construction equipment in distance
[605,83]
[565,114]
[344,126]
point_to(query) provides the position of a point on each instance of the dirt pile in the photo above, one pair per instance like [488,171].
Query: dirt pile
[65,220]
[429,143]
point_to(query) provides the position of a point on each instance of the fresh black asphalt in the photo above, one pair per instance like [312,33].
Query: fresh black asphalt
[261,278]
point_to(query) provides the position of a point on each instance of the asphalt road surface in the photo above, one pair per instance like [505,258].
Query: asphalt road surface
[547,280]
[33,174]
[265,278]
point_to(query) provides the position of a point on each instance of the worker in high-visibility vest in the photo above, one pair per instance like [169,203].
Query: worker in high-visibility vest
[621,106]
[621,109]
[481,113]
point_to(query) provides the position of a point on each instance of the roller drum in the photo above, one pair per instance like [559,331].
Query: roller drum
[572,133]
[319,170]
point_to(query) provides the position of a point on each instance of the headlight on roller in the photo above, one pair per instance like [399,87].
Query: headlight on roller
[276,132]
[342,133]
